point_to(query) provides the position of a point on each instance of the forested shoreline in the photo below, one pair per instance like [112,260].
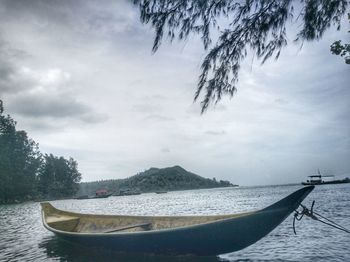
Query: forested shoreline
[28,174]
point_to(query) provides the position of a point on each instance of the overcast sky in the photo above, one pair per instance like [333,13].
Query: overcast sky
[80,78]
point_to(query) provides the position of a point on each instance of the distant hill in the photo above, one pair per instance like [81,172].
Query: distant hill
[155,179]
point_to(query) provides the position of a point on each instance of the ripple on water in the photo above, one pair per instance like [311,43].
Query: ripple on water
[23,238]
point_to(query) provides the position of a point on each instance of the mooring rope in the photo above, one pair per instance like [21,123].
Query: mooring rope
[298,215]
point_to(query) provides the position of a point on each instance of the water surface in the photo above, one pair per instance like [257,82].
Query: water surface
[23,238]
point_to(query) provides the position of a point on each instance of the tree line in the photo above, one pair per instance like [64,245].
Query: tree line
[28,174]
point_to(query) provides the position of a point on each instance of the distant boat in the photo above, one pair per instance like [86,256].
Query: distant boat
[102,193]
[318,180]
[199,235]
[102,196]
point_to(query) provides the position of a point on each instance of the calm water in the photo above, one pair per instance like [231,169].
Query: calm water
[23,238]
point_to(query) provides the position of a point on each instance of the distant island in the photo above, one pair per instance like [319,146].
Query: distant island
[154,180]
[26,174]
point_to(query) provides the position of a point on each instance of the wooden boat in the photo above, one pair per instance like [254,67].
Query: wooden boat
[102,196]
[199,235]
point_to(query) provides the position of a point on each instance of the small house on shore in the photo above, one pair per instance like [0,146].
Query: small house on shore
[101,192]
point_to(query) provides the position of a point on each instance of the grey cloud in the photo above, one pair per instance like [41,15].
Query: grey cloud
[281,101]
[6,70]
[42,106]
[24,96]
[220,107]
[151,111]
[58,106]
[159,118]
[159,97]
[6,50]
[94,117]
[165,150]
[107,20]
[39,94]
[39,126]
[145,108]
[215,133]
[108,23]
[10,78]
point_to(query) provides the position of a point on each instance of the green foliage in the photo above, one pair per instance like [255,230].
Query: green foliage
[19,161]
[155,179]
[58,177]
[337,48]
[25,174]
[256,25]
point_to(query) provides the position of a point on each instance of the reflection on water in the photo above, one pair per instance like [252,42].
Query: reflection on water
[23,237]
[57,248]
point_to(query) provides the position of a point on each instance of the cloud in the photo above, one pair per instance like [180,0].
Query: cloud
[145,108]
[6,73]
[10,75]
[54,107]
[158,118]
[215,133]
[42,94]
[151,110]
[165,150]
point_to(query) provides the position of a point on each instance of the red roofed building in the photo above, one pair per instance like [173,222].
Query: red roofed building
[101,192]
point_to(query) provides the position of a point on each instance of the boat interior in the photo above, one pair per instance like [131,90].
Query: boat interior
[86,223]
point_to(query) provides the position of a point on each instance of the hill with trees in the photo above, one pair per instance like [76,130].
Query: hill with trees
[27,174]
[155,179]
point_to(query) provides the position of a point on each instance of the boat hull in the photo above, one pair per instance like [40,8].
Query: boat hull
[219,237]
[344,181]
[101,196]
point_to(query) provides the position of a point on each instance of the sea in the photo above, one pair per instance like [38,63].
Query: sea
[23,237]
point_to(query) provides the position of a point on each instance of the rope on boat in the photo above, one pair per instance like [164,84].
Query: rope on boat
[298,215]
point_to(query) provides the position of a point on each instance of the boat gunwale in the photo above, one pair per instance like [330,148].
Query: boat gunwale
[238,215]
[69,213]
